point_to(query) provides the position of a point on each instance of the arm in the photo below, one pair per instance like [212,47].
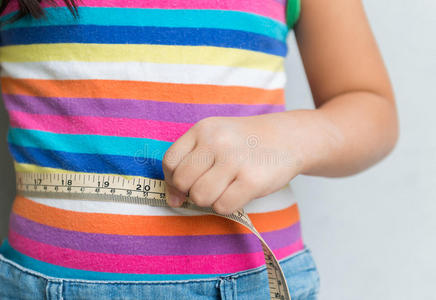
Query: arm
[353,126]
[356,114]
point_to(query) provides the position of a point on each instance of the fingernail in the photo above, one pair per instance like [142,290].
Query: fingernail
[174,200]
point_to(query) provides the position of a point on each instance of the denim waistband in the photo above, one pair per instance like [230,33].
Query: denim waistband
[299,268]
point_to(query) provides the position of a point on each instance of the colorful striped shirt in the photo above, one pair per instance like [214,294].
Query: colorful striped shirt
[108,93]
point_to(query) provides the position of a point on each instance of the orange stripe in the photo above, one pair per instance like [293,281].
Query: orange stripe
[150,225]
[156,91]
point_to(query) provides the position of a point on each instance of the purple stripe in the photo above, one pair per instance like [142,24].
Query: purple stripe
[132,109]
[153,245]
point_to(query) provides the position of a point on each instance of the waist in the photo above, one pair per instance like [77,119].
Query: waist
[123,238]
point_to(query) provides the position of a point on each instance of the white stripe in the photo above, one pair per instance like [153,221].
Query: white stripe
[275,201]
[89,206]
[281,199]
[146,71]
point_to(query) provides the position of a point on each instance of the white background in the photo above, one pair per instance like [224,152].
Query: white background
[373,235]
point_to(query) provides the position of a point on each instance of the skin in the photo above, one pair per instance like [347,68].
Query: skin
[225,162]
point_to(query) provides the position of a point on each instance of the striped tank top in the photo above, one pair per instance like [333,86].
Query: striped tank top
[108,93]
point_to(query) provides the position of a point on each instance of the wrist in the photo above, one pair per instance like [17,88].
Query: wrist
[310,138]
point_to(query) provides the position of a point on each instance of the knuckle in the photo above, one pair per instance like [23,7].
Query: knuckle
[168,162]
[207,126]
[198,197]
[250,179]
[180,183]
[203,124]
[221,141]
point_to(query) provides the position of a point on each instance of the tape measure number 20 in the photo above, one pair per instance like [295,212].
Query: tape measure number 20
[138,190]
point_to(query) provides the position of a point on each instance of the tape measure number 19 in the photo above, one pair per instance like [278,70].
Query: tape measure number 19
[138,190]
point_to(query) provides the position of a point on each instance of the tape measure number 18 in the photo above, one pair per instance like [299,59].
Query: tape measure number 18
[138,190]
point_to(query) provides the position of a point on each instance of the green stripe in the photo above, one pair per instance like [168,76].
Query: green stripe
[92,144]
[194,18]
[293,10]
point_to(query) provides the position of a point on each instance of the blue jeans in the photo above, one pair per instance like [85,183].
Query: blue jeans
[301,274]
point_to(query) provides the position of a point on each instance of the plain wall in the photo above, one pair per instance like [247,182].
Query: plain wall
[373,234]
[7,174]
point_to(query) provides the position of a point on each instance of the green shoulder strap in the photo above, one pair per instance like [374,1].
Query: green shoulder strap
[292,12]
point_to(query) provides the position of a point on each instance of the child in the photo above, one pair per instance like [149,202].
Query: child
[191,94]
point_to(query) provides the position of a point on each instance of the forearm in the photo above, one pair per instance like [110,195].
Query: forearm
[347,134]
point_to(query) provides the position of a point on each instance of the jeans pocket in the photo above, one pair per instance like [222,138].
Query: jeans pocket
[301,275]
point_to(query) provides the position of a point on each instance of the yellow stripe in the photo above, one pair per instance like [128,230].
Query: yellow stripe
[200,55]
[23,167]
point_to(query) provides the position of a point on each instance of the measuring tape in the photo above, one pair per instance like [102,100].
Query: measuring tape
[137,190]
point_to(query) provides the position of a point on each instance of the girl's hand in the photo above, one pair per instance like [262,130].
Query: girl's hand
[225,162]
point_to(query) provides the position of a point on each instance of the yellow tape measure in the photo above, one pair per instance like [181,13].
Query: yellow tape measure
[139,190]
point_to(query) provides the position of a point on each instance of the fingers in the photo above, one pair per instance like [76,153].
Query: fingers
[237,194]
[172,158]
[174,197]
[176,152]
[209,187]
[204,164]
[193,165]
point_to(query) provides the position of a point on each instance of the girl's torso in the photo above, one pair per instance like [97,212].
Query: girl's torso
[108,93]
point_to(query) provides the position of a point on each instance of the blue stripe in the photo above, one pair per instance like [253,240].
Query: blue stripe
[96,34]
[62,272]
[91,144]
[193,18]
[91,163]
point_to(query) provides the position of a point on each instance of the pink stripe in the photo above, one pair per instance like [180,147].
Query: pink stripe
[268,8]
[158,130]
[141,264]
